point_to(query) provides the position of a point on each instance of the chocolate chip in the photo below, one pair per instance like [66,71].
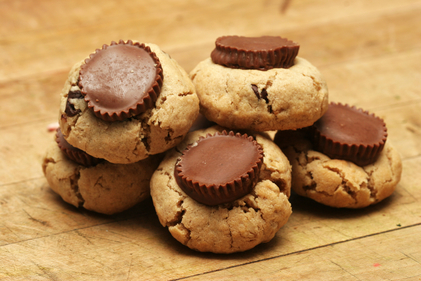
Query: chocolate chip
[262,95]
[75,95]
[70,108]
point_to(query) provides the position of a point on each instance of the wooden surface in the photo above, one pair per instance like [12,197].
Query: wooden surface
[369,53]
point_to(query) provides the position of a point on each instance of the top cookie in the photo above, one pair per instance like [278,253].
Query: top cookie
[134,138]
[261,100]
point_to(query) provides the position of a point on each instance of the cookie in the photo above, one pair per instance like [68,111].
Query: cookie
[343,160]
[228,227]
[103,187]
[262,100]
[145,127]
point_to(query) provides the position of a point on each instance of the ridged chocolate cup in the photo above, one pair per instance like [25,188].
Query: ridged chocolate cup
[219,168]
[348,133]
[121,80]
[263,53]
[75,154]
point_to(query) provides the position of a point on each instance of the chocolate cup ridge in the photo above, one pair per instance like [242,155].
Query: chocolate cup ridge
[75,154]
[219,168]
[349,133]
[121,80]
[262,53]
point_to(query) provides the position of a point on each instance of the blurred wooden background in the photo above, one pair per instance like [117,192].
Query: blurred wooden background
[369,53]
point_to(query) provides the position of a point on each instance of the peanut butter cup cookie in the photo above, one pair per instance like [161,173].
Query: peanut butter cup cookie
[222,192]
[127,101]
[259,83]
[95,184]
[343,160]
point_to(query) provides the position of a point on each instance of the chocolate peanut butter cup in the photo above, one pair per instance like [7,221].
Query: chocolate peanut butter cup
[348,133]
[220,168]
[121,80]
[75,154]
[261,53]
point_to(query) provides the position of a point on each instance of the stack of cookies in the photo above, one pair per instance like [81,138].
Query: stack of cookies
[123,106]
[130,127]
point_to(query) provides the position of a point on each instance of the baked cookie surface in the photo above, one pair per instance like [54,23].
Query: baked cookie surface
[231,227]
[134,139]
[275,99]
[341,183]
[104,188]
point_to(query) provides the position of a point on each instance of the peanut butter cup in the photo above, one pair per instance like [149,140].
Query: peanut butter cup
[348,133]
[75,154]
[220,168]
[121,80]
[263,53]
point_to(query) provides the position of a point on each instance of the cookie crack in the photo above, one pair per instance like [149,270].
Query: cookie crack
[310,159]
[162,100]
[184,94]
[370,184]
[317,85]
[74,186]
[45,164]
[167,174]
[144,135]
[178,217]
[344,184]
[169,138]
[135,150]
[313,184]
[390,161]
[266,174]
[193,76]
[230,231]
[98,182]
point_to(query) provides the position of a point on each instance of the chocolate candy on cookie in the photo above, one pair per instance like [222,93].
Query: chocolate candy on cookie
[121,80]
[343,160]
[127,101]
[222,192]
[348,133]
[260,84]
[220,168]
[262,53]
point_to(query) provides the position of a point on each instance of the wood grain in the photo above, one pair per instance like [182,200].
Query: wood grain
[369,53]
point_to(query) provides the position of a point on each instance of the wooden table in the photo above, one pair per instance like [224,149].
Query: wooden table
[369,53]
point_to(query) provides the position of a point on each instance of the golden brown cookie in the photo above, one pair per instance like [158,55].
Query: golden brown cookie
[229,227]
[104,187]
[339,183]
[130,140]
[248,85]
